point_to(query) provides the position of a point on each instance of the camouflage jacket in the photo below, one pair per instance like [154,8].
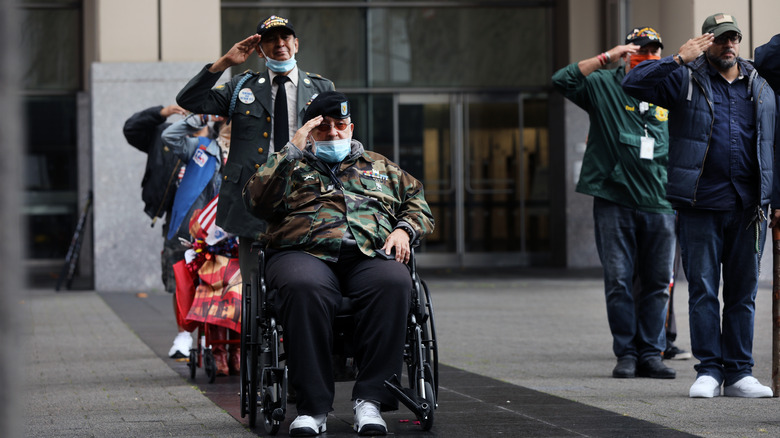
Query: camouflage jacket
[309,206]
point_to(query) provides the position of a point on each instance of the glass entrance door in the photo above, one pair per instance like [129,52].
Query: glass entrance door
[484,164]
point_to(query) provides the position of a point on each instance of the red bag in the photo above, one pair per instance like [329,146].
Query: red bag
[185,294]
[218,297]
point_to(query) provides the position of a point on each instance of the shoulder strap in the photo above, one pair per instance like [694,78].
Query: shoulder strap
[236,90]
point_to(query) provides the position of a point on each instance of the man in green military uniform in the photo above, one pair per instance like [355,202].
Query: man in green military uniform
[250,100]
[624,169]
[340,223]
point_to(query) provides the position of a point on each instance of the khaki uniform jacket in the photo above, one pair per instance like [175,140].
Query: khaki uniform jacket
[250,137]
[310,207]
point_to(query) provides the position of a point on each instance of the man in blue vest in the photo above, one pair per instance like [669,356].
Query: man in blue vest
[722,133]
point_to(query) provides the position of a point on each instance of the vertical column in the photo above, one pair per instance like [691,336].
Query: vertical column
[190,30]
[11,225]
[127,31]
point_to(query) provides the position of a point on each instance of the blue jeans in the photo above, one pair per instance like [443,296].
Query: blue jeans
[733,241]
[629,239]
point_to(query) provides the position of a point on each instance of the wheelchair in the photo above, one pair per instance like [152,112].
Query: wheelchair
[264,383]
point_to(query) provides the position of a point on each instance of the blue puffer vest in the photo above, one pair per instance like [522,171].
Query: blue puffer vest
[690,132]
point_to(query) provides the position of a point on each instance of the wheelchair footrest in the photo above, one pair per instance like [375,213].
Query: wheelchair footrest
[420,407]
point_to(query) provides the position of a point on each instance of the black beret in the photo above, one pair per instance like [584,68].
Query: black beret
[330,103]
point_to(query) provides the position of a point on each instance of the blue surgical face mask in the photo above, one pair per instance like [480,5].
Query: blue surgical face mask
[280,66]
[332,151]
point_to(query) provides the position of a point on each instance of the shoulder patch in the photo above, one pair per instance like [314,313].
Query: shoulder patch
[316,76]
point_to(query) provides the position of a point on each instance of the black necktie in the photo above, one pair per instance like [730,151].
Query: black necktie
[281,130]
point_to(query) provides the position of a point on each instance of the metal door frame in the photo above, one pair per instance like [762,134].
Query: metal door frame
[458,104]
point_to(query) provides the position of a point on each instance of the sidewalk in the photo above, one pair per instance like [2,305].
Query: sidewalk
[94,368]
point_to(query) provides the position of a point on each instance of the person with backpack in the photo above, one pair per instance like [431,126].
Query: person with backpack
[202,142]
[143,130]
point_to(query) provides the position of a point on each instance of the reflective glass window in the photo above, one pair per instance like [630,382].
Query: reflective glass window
[51,42]
[459,47]
[330,40]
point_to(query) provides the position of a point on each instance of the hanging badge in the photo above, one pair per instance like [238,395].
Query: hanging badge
[200,158]
[647,148]
[246,96]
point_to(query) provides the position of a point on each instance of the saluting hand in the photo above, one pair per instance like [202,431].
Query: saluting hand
[622,51]
[299,139]
[237,54]
[172,109]
[695,46]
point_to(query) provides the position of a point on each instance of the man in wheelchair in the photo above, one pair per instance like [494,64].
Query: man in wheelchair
[340,223]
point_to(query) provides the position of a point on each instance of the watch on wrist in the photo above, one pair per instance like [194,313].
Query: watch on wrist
[406,228]
[679,58]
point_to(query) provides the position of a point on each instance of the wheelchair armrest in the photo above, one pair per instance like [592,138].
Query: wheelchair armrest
[257,245]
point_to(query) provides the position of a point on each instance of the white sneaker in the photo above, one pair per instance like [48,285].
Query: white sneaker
[181,346]
[705,387]
[749,387]
[368,420]
[305,425]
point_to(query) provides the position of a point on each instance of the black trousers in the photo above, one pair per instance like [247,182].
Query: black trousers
[309,292]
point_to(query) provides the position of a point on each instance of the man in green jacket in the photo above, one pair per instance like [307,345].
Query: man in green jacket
[624,169]
[340,223]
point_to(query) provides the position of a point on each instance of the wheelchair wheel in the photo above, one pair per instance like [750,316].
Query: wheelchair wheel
[430,398]
[429,338]
[210,365]
[252,352]
[270,403]
[243,376]
[193,363]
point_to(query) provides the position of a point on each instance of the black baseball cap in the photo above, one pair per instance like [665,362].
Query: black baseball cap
[644,35]
[330,103]
[274,22]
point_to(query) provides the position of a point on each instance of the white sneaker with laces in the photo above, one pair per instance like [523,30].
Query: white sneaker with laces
[705,387]
[749,387]
[368,420]
[306,425]
[181,346]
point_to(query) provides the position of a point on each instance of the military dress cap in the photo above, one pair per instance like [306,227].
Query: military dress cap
[644,35]
[274,22]
[330,103]
[720,23]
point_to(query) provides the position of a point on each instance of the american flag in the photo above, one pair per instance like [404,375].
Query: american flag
[206,219]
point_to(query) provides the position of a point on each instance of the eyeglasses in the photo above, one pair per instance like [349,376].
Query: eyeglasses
[326,127]
[734,38]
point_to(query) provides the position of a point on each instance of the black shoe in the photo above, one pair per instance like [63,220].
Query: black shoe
[655,369]
[625,368]
[676,353]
